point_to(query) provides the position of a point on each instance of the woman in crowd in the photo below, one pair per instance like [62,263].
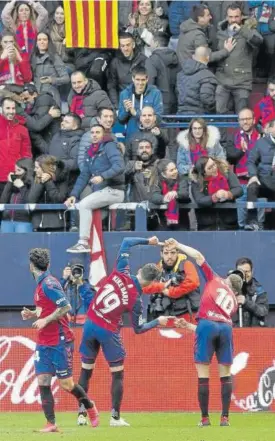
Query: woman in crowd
[49,71]
[199,140]
[24,19]
[144,23]
[14,66]
[50,186]
[16,191]
[168,187]
[213,182]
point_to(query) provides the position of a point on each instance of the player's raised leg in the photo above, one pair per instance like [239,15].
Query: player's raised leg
[84,381]
[225,359]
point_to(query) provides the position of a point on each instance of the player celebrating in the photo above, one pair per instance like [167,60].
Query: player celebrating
[214,331]
[54,349]
[119,293]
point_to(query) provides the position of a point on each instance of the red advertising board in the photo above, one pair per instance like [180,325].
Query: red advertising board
[160,374]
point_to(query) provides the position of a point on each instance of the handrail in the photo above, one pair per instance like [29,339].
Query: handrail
[182,121]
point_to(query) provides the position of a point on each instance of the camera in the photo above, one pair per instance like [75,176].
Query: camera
[177,279]
[77,270]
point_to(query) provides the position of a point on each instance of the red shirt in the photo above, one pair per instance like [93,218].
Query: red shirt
[218,301]
[49,296]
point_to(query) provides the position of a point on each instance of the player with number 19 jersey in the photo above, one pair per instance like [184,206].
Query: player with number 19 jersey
[120,292]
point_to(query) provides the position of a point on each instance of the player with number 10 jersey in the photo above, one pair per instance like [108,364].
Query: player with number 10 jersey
[120,292]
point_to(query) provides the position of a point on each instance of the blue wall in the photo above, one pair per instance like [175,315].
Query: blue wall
[221,249]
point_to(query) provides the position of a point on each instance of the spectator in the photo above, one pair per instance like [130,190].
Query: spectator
[196,84]
[264,110]
[49,71]
[15,141]
[261,170]
[50,186]
[57,32]
[104,172]
[93,63]
[162,67]
[143,24]
[16,192]
[105,117]
[136,96]
[213,182]
[199,140]
[127,59]
[14,66]
[86,97]
[150,130]
[138,172]
[24,20]
[179,11]
[254,298]
[235,73]
[65,144]
[42,117]
[218,9]
[263,11]
[193,35]
[245,139]
[168,187]
[182,297]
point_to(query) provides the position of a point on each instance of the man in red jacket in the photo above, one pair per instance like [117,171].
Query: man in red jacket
[15,141]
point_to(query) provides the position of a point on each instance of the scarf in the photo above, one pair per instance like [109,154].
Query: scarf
[25,36]
[215,183]
[241,167]
[77,105]
[197,152]
[172,212]
[93,150]
[10,73]
[265,110]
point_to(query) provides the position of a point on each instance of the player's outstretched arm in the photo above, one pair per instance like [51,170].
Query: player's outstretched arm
[122,264]
[191,252]
[183,324]
[137,320]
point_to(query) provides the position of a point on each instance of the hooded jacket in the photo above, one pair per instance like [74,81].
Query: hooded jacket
[192,35]
[261,157]
[120,73]
[162,67]
[15,144]
[94,98]
[236,70]
[213,147]
[196,85]
[151,97]
[51,192]
[108,163]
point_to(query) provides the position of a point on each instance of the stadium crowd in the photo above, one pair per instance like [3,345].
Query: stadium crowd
[59,107]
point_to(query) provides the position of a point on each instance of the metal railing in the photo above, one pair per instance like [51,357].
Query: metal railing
[182,121]
[140,209]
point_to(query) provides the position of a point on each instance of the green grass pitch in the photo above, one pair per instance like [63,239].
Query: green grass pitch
[144,427]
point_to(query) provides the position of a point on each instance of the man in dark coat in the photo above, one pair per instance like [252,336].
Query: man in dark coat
[121,67]
[196,84]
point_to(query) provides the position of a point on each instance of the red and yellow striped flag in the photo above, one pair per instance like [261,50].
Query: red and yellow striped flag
[91,23]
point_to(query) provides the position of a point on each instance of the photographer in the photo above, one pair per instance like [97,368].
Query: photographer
[78,291]
[182,296]
[254,300]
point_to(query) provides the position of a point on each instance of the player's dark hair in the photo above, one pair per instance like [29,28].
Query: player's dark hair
[150,272]
[40,258]
[198,11]
[244,261]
